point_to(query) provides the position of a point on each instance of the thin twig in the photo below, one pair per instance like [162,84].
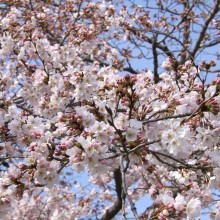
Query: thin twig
[167,117]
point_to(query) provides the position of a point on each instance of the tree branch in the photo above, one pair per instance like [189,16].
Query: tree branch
[164,48]
[155,57]
[113,210]
[167,117]
[205,27]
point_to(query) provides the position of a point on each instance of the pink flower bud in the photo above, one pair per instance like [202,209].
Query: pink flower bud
[23,167]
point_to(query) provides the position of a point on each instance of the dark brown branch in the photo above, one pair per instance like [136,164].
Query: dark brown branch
[143,145]
[167,156]
[62,166]
[11,157]
[205,27]
[155,57]
[164,162]
[130,70]
[113,210]
[167,117]
[164,47]
[183,164]
[210,44]
[200,106]
[210,71]
[169,35]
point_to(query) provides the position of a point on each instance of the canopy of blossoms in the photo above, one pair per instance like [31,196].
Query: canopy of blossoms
[65,109]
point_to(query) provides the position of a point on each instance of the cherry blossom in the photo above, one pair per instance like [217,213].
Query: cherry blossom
[193,208]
